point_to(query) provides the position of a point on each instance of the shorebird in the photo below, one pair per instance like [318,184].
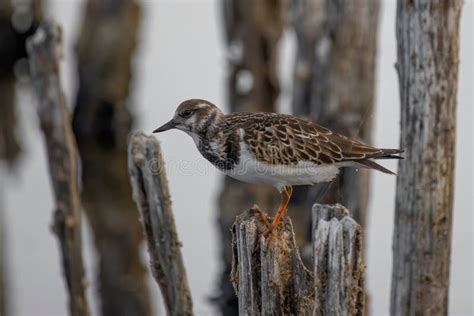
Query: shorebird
[272,148]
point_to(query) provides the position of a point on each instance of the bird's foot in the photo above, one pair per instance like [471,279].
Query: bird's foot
[263,217]
[269,234]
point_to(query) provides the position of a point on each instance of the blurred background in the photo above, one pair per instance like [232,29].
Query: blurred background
[176,50]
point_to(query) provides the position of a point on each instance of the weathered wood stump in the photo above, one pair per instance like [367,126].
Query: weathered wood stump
[338,259]
[151,194]
[45,52]
[270,278]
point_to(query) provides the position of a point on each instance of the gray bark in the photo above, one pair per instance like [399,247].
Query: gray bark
[334,84]
[428,58]
[102,121]
[151,194]
[338,254]
[252,33]
[271,279]
[45,50]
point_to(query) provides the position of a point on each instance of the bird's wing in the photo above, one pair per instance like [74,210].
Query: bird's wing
[286,140]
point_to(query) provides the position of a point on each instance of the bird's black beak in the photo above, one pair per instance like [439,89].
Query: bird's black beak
[171,124]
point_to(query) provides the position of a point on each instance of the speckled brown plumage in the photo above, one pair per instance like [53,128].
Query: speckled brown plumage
[280,139]
[273,138]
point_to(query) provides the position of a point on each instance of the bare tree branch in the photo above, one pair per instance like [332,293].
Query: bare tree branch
[44,50]
[151,194]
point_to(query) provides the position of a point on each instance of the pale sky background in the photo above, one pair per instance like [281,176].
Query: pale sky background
[181,56]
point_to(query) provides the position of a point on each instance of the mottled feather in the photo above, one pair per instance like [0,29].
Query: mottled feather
[280,139]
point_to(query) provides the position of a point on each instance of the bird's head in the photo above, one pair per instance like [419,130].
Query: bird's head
[193,116]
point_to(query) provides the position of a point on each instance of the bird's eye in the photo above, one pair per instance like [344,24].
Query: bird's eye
[186,113]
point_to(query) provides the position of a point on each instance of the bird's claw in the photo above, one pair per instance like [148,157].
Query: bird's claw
[263,217]
[268,234]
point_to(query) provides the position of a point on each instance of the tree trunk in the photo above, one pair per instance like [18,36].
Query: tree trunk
[44,49]
[334,85]
[102,122]
[270,278]
[428,50]
[252,32]
[151,193]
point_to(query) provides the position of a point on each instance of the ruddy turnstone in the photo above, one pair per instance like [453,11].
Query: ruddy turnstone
[271,148]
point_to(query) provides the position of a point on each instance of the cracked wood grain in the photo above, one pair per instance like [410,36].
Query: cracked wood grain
[45,51]
[271,279]
[151,194]
[428,59]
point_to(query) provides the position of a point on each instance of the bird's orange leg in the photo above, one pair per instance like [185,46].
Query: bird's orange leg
[286,196]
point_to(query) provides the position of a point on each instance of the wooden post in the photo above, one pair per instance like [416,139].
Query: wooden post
[151,194]
[428,59]
[338,261]
[102,122]
[334,85]
[270,278]
[45,51]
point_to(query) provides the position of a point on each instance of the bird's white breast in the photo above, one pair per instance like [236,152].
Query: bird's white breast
[249,169]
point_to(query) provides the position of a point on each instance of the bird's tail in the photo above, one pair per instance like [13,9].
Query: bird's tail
[389,154]
[370,164]
[385,154]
